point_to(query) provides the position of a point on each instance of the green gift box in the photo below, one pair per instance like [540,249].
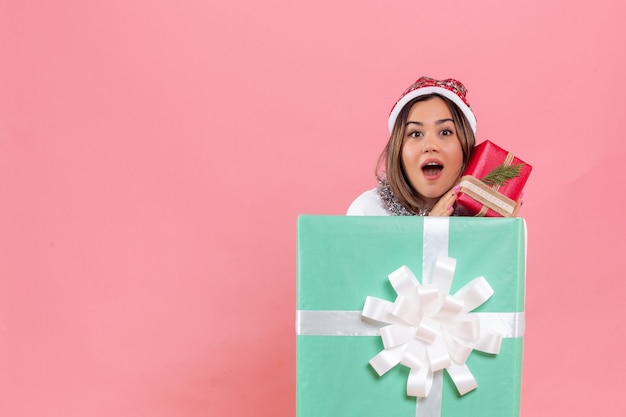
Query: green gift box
[342,260]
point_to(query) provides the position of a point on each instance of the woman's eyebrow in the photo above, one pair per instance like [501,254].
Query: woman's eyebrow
[437,122]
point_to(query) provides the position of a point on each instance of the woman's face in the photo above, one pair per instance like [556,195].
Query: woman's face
[431,153]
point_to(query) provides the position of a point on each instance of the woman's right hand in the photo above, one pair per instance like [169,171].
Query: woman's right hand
[445,206]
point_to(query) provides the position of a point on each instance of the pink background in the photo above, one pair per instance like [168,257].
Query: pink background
[154,157]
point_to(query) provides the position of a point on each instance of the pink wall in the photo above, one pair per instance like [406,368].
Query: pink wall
[154,156]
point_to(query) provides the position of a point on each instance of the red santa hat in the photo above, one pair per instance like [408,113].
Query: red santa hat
[450,88]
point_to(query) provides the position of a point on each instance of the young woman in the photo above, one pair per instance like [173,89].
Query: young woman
[432,134]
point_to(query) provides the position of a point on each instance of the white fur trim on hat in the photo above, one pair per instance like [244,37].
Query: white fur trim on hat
[469,115]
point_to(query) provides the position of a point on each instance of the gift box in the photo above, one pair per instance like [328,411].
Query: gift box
[492,182]
[343,262]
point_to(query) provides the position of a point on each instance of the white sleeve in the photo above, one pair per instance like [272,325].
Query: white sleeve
[367,204]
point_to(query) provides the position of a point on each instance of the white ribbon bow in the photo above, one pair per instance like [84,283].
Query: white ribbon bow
[430,330]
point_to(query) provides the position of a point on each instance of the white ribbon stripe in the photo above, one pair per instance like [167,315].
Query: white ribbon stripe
[350,323]
[427,329]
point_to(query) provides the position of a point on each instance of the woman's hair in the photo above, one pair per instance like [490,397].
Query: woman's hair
[395,174]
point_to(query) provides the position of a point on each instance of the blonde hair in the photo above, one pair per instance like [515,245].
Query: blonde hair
[391,157]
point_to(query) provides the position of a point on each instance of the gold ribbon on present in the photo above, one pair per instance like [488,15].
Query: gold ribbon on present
[488,195]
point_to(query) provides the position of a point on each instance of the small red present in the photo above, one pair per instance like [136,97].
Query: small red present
[492,182]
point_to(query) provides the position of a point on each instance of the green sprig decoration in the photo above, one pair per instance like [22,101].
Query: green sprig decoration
[502,174]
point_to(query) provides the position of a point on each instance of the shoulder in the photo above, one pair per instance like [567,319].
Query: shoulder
[368,204]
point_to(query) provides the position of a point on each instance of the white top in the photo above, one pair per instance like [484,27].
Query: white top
[368,204]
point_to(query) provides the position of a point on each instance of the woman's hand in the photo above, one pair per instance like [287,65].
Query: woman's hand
[445,206]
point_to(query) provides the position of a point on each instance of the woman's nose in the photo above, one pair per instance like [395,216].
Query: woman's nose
[429,144]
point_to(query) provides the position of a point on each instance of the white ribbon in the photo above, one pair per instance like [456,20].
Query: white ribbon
[350,323]
[429,330]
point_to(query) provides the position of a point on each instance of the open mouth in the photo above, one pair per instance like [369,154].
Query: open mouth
[432,169]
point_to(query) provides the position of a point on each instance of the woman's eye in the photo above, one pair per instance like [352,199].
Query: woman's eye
[446,132]
[415,134]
